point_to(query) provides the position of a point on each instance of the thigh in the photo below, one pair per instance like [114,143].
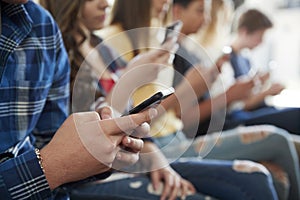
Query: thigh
[139,188]
[222,180]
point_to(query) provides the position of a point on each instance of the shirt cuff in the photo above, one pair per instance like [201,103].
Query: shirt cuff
[23,177]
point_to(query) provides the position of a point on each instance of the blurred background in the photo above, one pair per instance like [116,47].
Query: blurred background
[280,51]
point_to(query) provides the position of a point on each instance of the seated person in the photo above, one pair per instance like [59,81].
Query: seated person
[160,170]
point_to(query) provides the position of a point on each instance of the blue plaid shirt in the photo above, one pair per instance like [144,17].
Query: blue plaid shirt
[34,95]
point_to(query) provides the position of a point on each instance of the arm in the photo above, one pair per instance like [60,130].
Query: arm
[55,110]
[85,146]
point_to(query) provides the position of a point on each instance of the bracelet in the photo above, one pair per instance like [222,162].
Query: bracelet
[39,157]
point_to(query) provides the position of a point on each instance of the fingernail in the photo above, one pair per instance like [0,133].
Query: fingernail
[128,140]
[118,156]
[152,113]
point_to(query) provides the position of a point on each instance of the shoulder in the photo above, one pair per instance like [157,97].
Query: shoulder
[40,17]
[37,12]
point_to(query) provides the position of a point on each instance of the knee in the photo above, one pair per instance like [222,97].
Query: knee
[246,166]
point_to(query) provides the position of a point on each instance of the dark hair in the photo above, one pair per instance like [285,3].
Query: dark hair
[253,20]
[183,3]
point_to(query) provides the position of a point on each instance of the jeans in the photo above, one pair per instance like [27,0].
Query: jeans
[268,144]
[217,179]
[267,115]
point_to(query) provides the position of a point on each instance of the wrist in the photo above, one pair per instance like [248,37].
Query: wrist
[52,171]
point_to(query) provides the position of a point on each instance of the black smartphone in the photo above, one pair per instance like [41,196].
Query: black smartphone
[151,101]
[172,30]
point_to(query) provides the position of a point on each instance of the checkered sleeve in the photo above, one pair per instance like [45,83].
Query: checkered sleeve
[22,178]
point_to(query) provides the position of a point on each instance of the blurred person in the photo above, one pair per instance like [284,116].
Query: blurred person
[215,32]
[252,25]
[158,165]
[170,127]
[191,13]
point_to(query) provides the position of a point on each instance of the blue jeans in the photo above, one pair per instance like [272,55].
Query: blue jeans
[210,177]
[275,147]
[266,115]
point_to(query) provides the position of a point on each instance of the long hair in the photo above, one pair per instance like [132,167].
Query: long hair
[132,14]
[67,14]
[221,13]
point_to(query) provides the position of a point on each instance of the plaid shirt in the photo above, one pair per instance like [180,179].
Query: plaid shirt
[34,95]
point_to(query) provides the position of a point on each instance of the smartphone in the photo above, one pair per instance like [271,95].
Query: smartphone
[172,30]
[151,101]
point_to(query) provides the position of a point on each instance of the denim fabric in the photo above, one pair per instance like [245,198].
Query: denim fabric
[210,177]
[275,147]
[266,115]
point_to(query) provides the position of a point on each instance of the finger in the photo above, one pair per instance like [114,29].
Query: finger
[170,44]
[141,131]
[184,190]
[128,123]
[132,144]
[187,188]
[105,112]
[155,179]
[169,182]
[191,188]
[127,157]
[176,188]
[85,117]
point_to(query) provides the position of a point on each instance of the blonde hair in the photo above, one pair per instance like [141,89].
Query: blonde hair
[221,12]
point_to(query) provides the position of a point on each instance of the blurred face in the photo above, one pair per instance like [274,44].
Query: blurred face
[254,39]
[159,7]
[193,17]
[93,14]
[15,1]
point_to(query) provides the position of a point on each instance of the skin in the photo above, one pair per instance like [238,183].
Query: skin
[93,16]
[193,16]
[159,7]
[247,39]
[90,143]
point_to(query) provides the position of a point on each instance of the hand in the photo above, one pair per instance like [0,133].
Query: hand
[264,77]
[85,145]
[221,60]
[241,90]
[150,63]
[274,89]
[130,146]
[173,184]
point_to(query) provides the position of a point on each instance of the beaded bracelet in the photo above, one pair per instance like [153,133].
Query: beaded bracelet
[40,159]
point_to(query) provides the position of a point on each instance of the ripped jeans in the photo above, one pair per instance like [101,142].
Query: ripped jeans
[217,179]
[256,143]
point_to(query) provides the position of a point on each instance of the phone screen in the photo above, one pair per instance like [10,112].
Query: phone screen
[151,101]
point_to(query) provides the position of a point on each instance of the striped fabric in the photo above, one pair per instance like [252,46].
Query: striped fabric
[34,95]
